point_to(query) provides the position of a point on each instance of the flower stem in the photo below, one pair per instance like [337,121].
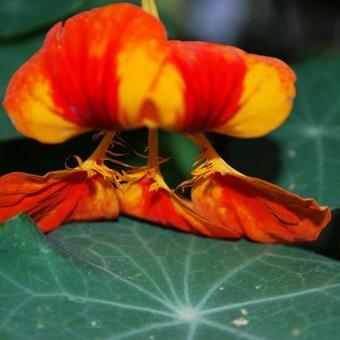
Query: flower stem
[103,146]
[153,157]
[150,7]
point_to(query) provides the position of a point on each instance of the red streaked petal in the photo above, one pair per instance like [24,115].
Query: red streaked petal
[262,211]
[92,72]
[212,83]
[100,203]
[56,198]
[266,100]
[138,199]
[112,68]
[222,88]
[30,103]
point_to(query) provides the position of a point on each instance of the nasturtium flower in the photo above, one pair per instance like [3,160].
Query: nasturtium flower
[56,198]
[84,193]
[260,210]
[147,196]
[113,69]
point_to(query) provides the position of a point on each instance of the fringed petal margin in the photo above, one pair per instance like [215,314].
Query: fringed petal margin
[259,210]
[147,199]
[57,198]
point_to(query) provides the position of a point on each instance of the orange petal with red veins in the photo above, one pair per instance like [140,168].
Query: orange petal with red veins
[57,198]
[138,199]
[113,68]
[224,89]
[92,72]
[260,210]
[266,100]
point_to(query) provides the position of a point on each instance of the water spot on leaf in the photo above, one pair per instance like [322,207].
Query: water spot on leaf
[244,312]
[296,331]
[240,322]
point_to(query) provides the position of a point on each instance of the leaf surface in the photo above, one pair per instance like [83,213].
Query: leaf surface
[310,152]
[131,280]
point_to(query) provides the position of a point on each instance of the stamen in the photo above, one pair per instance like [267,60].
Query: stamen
[103,146]
[209,162]
[95,164]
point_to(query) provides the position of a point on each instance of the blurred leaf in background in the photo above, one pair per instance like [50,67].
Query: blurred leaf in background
[21,17]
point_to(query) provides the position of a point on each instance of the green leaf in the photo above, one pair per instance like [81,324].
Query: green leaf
[131,280]
[19,17]
[303,155]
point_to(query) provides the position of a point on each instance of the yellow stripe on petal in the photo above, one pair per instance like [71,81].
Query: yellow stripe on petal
[137,69]
[266,100]
[168,98]
[33,110]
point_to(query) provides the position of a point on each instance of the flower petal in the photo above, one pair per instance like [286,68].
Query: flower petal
[30,103]
[56,198]
[266,100]
[224,89]
[92,72]
[260,210]
[139,199]
[112,68]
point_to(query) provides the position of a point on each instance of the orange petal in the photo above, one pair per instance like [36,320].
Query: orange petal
[57,198]
[225,90]
[260,210]
[112,68]
[93,71]
[138,199]
[266,100]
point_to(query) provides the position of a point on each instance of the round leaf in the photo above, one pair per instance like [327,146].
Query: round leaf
[131,280]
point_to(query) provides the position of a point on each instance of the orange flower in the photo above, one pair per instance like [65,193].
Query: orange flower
[57,198]
[82,194]
[255,208]
[225,203]
[146,196]
[113,68]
